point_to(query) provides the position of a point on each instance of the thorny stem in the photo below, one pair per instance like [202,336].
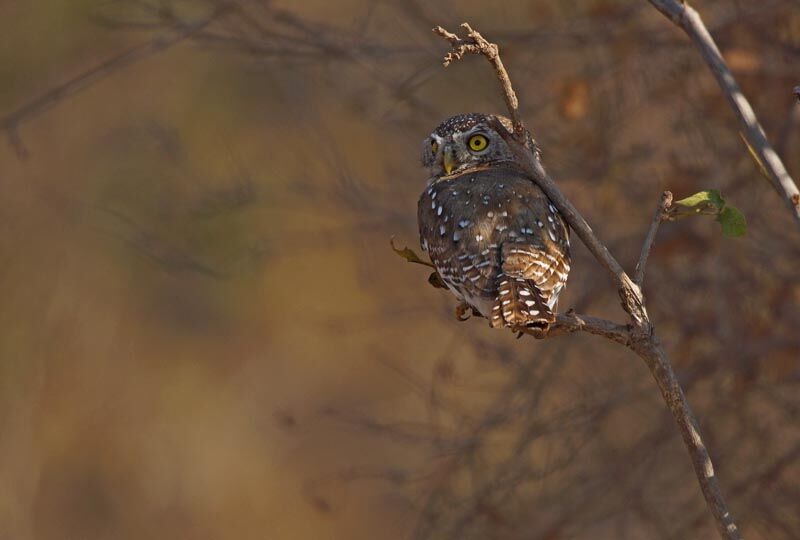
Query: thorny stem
[639,336]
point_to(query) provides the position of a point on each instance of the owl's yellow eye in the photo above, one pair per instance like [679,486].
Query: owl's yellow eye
[434,146]
[478,142]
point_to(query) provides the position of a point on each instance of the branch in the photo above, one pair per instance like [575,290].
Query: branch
[570,322]
[661,215]
[641,337]
[689,20]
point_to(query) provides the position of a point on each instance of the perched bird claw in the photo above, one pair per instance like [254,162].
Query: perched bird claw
[463,311]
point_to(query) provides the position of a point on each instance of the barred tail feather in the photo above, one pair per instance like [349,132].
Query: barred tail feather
[519,305]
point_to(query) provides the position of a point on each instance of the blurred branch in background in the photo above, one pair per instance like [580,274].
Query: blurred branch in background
[180,30]
[271,34]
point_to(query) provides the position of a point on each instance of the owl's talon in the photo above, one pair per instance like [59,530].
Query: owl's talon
[463,311]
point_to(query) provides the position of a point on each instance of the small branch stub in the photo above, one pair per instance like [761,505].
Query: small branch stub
[662,214]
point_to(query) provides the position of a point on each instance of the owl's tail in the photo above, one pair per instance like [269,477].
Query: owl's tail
[520,305]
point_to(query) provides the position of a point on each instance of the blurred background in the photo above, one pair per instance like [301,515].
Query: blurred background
[204,333]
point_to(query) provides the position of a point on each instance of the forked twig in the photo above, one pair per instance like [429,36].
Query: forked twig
[639,335]
[476,44]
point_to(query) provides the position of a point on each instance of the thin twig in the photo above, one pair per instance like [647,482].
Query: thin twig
[689,20]
[641,337]
[661,214]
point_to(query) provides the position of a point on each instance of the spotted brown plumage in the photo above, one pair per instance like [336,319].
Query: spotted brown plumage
[494,237]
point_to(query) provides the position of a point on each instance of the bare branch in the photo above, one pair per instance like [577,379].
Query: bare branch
[689,20]
[477,44]
[661,215]
[641,335]
[570,322]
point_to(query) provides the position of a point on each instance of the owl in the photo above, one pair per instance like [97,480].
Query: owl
[496,240]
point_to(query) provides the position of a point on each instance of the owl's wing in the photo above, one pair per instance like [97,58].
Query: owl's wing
[546,268]
[536,265]
[519,303]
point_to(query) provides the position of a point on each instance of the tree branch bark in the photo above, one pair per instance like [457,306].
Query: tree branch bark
[570,322]
[640,335]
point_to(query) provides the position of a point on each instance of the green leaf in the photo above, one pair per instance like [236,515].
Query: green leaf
[733,222]
[703,199]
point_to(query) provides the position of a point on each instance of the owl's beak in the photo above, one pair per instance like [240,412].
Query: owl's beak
[449,160]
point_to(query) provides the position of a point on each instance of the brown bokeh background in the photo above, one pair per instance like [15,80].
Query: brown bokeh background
[205,335]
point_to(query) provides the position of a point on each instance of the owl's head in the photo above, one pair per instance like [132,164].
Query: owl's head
[466,141]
